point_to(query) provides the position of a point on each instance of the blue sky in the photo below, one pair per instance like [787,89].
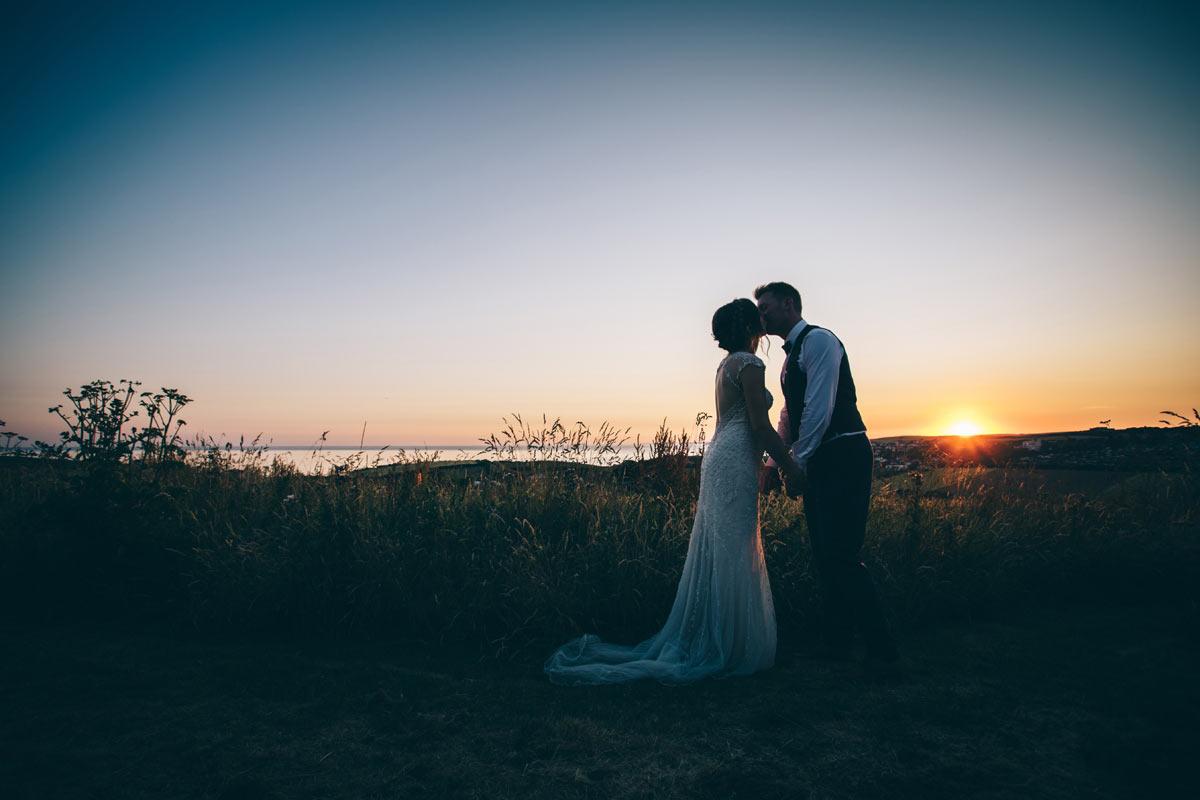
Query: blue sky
[307,216]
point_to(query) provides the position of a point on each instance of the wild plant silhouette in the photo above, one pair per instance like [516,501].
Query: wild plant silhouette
[548,536]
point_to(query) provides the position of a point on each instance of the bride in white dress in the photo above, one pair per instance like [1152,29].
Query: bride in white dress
[723,620]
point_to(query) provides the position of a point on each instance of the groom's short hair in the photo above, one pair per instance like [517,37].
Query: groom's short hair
[784,291]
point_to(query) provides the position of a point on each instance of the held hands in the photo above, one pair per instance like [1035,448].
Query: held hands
[789,477]
[769,479]
[795,480]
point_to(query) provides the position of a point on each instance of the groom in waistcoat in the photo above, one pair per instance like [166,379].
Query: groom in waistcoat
[821,424]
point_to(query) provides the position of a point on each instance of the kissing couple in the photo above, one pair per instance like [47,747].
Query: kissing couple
[723,621]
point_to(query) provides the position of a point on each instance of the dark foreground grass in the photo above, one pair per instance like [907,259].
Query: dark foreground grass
[1065,703]
[222,630]
[521,556]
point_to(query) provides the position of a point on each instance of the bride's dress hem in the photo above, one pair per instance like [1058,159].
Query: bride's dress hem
[722,623]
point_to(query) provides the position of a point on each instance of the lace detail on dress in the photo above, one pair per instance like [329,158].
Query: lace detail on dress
[731,399]
[736,362]
[723,620]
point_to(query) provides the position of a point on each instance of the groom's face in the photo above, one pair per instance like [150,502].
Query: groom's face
[776,315]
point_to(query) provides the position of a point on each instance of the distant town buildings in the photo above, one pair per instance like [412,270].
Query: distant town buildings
[1132,449]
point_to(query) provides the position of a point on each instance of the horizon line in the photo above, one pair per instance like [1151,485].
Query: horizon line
[876,438]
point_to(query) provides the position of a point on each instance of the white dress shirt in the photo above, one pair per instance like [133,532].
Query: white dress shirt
[820,357]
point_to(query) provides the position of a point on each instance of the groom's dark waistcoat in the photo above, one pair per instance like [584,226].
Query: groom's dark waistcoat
[845,417]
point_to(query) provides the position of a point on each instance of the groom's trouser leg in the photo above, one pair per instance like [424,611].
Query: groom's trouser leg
[836,506]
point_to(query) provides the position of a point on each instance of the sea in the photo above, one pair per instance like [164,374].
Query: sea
[311,460]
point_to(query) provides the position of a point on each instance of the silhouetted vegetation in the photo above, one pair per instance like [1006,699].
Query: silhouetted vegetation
[550,538]
[153,561]
[96,422]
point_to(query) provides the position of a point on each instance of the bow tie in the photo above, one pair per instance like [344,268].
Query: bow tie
[787,347]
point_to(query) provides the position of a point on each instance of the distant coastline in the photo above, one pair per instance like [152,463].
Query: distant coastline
[1119,449]
[363,448]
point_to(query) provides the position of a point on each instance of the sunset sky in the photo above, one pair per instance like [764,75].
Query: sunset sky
[308,216]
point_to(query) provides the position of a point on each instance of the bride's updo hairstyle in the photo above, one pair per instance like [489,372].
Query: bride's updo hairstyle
[736,324]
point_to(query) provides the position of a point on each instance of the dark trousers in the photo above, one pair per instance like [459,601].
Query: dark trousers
[835,506]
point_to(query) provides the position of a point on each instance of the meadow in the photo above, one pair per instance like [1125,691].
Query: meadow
[512,555]
[222,606]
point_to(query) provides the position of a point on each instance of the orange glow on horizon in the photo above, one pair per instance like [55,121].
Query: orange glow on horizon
[965,427]
[964,422]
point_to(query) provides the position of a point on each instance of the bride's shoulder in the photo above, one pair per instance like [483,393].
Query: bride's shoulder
[738,361]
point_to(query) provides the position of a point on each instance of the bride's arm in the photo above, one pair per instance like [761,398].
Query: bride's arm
[767,437]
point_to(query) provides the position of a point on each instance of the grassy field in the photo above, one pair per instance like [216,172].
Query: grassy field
[1066,702]
[223,629]
[528,554]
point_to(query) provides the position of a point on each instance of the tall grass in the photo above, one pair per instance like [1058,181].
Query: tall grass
[517,553]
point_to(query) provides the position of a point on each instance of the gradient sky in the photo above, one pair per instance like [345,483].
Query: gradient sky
[308,216]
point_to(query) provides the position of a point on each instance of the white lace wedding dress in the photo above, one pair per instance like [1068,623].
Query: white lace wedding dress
[723,620]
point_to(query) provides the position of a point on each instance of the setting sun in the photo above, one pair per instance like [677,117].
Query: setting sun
[965,428]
